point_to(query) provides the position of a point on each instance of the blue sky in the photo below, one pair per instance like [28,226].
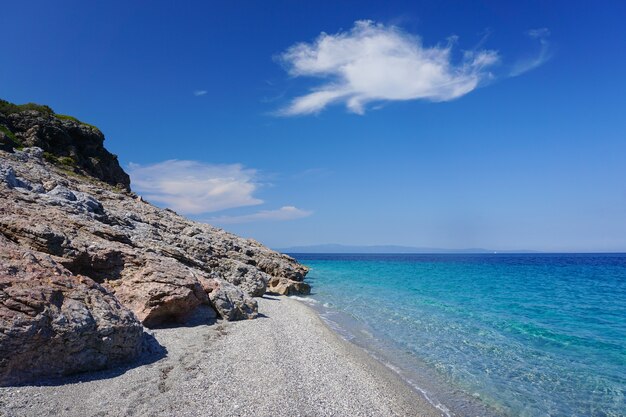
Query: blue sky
[434,123]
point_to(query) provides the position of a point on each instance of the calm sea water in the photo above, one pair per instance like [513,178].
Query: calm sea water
[519,335]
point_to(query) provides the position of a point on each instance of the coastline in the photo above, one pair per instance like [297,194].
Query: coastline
[286,362]
[447,399]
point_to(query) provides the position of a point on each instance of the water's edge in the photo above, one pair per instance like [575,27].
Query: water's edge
[417,376]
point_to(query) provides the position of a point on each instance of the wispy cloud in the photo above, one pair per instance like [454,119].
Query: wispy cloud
[193,187]
[199,93]
[313,173]
[373,63]
[283,213]
[538,33]
[545,53]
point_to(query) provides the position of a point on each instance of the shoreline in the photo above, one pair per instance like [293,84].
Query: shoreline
[286,362]
[447,399]
[379,367]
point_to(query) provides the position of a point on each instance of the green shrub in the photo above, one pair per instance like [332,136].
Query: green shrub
[67,161]
[10,108]
[7,132]
[72,118]
[66,117]
[10,140]
[50,157]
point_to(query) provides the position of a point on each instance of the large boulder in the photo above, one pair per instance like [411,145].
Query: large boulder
[161,292]
[282,266]
[230,302]
[285,286]
[54,323]
[247,277]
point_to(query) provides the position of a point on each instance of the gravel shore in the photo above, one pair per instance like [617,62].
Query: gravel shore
[284,363]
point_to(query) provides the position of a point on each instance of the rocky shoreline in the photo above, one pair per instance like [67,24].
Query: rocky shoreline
[86,264]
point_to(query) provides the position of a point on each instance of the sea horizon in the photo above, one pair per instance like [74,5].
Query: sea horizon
[530,253]
[336,248]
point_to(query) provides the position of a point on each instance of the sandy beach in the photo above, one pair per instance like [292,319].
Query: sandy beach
[285,363]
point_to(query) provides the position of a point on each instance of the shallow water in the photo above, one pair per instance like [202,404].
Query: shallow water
[526,335]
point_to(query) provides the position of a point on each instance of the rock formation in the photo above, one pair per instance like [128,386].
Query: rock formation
[53,322]
[65,140]
[85,261]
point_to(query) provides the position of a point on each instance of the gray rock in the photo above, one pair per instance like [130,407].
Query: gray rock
[89,203]
[8,177]
[63,193]
[246,277]
[230,301]
[34,152]
[38,188]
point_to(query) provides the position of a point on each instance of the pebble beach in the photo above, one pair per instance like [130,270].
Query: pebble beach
[287,362]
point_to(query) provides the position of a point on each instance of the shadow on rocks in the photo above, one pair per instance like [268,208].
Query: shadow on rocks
[203,315]
[151,351]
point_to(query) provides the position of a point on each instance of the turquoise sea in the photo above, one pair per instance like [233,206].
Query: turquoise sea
[505,335]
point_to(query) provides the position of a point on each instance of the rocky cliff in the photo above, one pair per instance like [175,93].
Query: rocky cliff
[85,263]
[65,141]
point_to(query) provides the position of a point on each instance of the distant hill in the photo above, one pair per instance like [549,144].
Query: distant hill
[337,248]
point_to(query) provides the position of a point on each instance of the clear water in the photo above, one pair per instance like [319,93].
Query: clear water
[519,335]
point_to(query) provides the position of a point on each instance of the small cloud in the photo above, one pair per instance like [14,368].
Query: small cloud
[527,64]
[281,214]
[538,33]
[376,63]
[192,187]
[199,93]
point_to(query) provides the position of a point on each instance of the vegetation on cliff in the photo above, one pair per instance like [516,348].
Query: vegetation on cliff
[11,108]
[66,141]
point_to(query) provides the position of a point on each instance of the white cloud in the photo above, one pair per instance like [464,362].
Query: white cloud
[283,213]
[199,93]
[373,62]
[192,187]
[525,65]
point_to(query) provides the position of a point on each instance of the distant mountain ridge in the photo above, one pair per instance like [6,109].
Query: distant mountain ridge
[338,248]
